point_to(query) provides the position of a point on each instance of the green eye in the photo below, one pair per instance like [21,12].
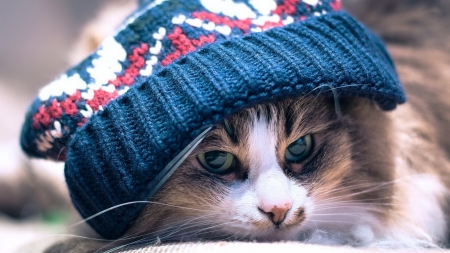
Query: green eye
[217,161]
[299,150]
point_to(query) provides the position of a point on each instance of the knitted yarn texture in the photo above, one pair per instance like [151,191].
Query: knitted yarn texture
[174,67]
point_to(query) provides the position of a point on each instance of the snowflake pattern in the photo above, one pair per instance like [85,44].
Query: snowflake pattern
[147,42]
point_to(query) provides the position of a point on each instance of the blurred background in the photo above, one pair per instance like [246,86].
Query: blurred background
[39,39]
[35,38]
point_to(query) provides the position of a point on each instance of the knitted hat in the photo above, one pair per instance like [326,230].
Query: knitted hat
[121,116]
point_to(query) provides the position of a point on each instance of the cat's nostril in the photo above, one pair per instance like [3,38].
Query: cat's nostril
[276,213]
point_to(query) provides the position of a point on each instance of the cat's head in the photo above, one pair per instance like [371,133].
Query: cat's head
[276,171]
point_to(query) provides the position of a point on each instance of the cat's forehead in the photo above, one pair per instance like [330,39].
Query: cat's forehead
[291,106]
[284,117]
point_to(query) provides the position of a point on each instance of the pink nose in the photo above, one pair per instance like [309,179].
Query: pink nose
[277,213]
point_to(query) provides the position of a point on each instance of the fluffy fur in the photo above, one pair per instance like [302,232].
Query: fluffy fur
[375,178]
[358,187]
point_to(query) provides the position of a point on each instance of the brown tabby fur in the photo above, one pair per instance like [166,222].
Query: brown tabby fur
[345,155]
[417,35]
[363,148]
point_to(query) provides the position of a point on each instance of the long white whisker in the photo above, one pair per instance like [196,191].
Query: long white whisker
[346,188]
[125,204]
[328,221]
[78,236]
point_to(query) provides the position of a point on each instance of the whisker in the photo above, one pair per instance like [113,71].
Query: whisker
[159,231]
[357,193]
[344,207]
[123,246]
[346,188]
[78,236]
[332,214]
[125,204]
[221,224]
[359,201]
[333,221]
[177,226]
[180,227]
[351,185]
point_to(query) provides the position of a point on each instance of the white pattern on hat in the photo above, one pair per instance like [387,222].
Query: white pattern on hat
[88,112]
[148,68]
[229,8]
[124,90]
[105,67]
[160,34]
[194,22]
[88,95]
[57,132]
[311,2]
[64,84]
[264,7]
[157,48]
[263,19]
[178,20]
[108,88]
[288,20]
[223,29]
[210,26]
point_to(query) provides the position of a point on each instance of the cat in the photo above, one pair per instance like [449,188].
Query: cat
[288,170]
[298,169]
[305,169]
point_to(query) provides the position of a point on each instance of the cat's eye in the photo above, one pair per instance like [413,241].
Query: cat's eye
[299,150]
[217,161]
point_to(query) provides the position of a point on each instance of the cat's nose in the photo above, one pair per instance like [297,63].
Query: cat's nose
[272,188]
[277,212]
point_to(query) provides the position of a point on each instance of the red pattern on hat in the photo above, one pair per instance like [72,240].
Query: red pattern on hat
[288,7]
[336,5]
[55,109]
[184,45]
[218,20]
[101,98]
[42,117]
[137,62]
[270,24]
[69,106]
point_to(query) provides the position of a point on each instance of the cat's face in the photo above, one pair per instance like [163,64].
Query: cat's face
[276,172]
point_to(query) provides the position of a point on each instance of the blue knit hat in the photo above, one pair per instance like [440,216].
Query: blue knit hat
[120,117]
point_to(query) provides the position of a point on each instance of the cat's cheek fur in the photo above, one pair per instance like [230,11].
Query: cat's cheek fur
[418,217]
